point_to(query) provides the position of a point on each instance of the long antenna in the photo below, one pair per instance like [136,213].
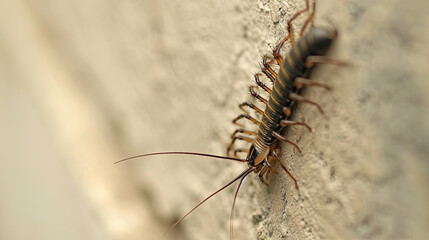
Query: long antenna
[182,153]
[231,217]
[244,173]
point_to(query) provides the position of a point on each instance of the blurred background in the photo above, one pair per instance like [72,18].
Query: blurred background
[86,83]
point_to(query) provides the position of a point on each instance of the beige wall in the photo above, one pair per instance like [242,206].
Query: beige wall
[85,83]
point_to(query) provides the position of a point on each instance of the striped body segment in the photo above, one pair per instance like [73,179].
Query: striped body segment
[314,43]
[287,83]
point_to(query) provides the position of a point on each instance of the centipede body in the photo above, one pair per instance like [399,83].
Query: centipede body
[284,95]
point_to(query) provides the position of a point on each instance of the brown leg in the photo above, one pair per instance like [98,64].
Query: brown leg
[287,171]
[267,73]
[267,175]
[267,66]
[233,141]
[256,95]
[261,175]
[287,111]
[276,51]
[240,130]
[311,60]
[309,18]
[258,168]
[280,137]
[240,150]
[270,169]
[298,98]
[300,82]
[284,123]
[289,24]
[269,162]
[245,116]
[261,84]
[252,106]
[266,57]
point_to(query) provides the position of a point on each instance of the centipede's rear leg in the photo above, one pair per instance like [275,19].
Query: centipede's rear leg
[276,51]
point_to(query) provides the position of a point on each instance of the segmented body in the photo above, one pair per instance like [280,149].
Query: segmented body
[284,94]
[292,68]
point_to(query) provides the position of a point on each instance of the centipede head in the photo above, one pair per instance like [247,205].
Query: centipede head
[255,156]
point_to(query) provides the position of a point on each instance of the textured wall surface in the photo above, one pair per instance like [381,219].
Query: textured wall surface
[85,83]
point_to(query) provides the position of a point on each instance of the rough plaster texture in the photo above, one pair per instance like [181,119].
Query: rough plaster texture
[117,78]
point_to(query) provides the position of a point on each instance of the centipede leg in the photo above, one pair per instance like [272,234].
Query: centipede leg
[289,24]
[268,57]
[287,171]
[287,112]
[250,105]
[280,137]
[300,82]
[247,116]
[241,130]
[309,18]
[269,162]
[270,169]
[298,98]
[257,96]
[311,60]
[228,151]
[267,175]
[285,122]
[276,51]
[240,150]
[267,66]
[261,84]
[257,169]
[261,175]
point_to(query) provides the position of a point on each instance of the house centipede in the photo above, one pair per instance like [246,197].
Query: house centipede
[284,95]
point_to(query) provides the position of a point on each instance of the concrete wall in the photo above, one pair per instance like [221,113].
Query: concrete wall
[85,83]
